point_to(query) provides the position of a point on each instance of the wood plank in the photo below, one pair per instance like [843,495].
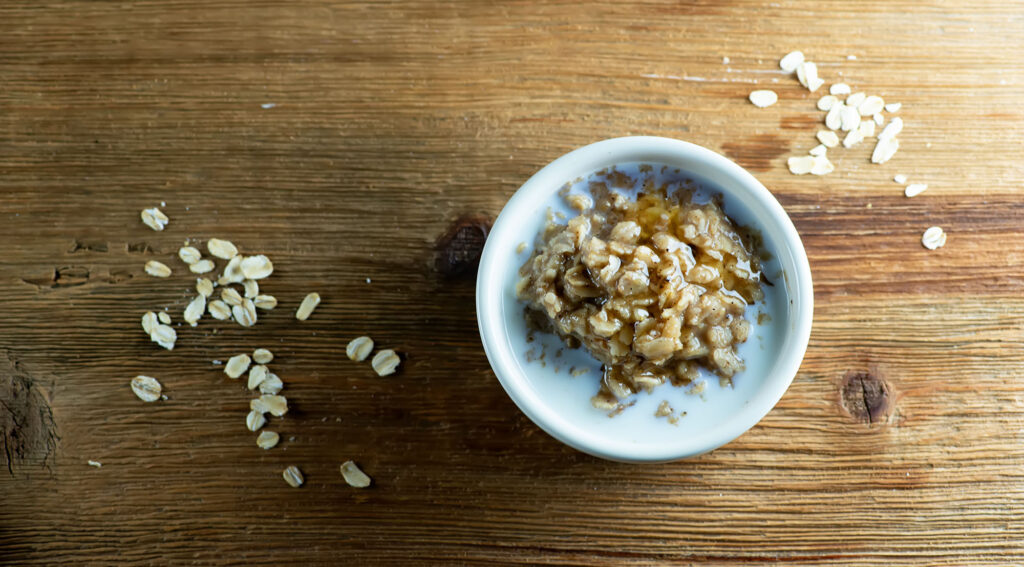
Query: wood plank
[390,122]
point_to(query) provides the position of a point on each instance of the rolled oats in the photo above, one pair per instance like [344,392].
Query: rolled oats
[763,98]
[255,420]
[269,403]
[219,310]
[307,306]
[885,148]
[654,288]
[791,61]
[293,476]
[933,238]
[354,476]
[202,267]
[149,322]
[164,317]
[157,269]
[915,189]
[146,388]
[257,374]
[165,336]
[257,267]
[272,384]
[385,362]
[828,138]
[204,287]
[268,440]
[262,356]
[839,89]
[265,302]
[252,289]
[230,296]
[237,365]
[154,218]
[223,249]
[195,310]
[359,348]
[232,272]
[189,254]
[243,316]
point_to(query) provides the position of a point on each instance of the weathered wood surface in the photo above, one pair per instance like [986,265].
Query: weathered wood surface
[391,121]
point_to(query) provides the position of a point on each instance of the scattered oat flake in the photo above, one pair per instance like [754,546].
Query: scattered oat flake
[800,165]
[262,356]
[252,289]
[839,89]
[265,302]
[853,138]
[725,60]
[146,388]
[236,365]
[818,150]
[866,128]
[223,249]
[268,105]
[307,306]
[232,272]
[851,57]
[255,420]
[915,189]
[157,269]
[892,130]
[202,267]
[878,118]
[96,464]
[269,403]
[893,107]
[195,310]
[791,61]
[245,314]
[257,267]
[267,440]
[204,287]
[219,310]
[871,105]
[822,166]
[884,149]
[900,178]
[855,99]
[763,98]
[149,322]
[164,317]
[272,384]
[933,238]
[834,118]
[189,254]
[154,218]
[385,362]
[257,374]
[807,74]
[520,248]
[826,102]
[231,296]
[293,476]
[354,476]
[165,336]
[849,118]
[359,348]
[829,138]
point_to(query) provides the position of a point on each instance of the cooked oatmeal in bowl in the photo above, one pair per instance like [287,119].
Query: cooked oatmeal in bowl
[644,299]
[649,278]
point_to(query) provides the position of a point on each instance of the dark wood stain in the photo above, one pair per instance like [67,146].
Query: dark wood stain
[757,152]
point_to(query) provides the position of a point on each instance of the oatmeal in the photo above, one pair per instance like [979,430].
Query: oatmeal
[655,287]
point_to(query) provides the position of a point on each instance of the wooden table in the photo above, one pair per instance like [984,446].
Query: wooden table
[346,140]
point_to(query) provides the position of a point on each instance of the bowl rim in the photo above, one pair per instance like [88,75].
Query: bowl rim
[490,288]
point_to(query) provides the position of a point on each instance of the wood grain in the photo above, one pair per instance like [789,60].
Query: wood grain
[391,121]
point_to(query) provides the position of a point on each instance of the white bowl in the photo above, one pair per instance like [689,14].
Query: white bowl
[560,403]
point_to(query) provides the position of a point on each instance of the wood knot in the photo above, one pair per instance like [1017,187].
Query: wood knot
[866,397]
[459,248]
[28,432]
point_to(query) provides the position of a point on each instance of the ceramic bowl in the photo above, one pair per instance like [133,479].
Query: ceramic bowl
[553,385]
